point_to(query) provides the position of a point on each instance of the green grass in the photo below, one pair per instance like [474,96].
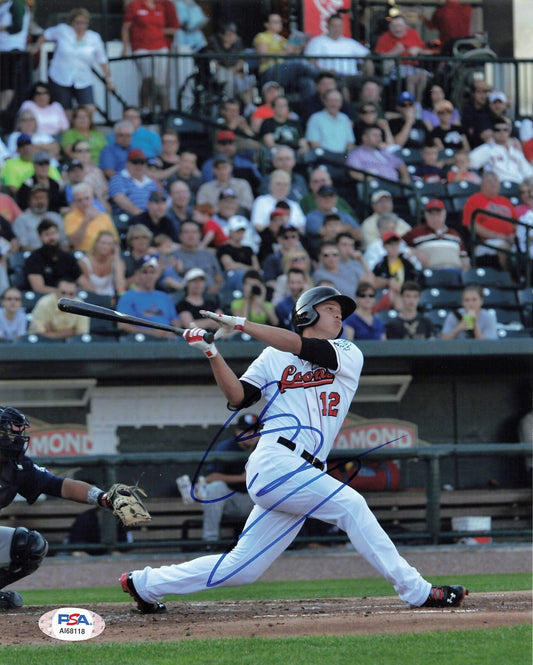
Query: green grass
[500,646]
[271,590]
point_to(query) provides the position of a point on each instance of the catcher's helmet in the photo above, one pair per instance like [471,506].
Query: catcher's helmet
[13,440]
[304,313]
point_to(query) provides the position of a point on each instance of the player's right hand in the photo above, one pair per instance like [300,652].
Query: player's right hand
[195,337]
[228,324]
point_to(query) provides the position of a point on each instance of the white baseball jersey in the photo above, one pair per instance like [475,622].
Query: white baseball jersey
[306,403]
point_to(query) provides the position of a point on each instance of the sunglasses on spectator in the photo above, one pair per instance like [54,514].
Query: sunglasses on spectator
[137,161]
[501,129]
[366,111]
[41,163]
[225,142]
[81,149]
[11,298]
[299,258]
[444,111]
[406,104]
[366,295]
[326,254]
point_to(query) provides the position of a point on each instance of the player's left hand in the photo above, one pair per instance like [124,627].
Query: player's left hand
[195,337]
[228,324]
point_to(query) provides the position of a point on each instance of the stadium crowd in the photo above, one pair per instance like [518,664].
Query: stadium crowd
[137,219]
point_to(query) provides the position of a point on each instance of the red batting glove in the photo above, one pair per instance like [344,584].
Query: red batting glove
[195,337]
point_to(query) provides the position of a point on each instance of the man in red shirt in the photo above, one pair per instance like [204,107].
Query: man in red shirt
[149,27]
[399,41]
[452,20]
[495,232]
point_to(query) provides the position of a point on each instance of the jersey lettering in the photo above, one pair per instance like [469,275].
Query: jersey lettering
[329,403]
[292,378]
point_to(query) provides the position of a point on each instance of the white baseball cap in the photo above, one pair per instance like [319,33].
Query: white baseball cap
[376,196]
[194,273]
[237,222]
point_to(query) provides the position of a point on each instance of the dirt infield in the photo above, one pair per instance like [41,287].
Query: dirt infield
[286,618]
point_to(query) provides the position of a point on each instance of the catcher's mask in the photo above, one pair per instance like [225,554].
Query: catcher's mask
[304,313]
[13,440]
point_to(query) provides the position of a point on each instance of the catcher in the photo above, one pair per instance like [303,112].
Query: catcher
[22,550]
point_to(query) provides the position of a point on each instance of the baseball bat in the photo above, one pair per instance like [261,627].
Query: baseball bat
[98,312]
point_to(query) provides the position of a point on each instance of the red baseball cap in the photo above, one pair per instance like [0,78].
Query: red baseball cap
[136,154]
[390,235]
[226,135]
[435,204]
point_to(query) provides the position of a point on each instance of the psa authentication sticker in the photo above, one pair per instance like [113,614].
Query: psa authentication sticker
[71,624]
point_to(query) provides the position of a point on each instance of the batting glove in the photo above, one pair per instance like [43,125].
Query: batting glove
[195,337]
[228,324]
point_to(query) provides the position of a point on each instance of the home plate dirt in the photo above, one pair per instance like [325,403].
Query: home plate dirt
[280,618]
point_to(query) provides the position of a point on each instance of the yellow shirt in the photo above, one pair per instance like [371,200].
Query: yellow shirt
[46,312]
[274,44]
[102,222]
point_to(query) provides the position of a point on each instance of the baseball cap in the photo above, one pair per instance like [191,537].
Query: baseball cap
[23,139]
[158,195]
[227,193]
[41,157]
[194,273]
[380,194]
[75,163]
[390,236]
[498,96]
[136,154]
[237,222]
[225,135]
[153,161]
[278,212]
[327,190]
[270,84]
[285,229]
[248,421]
[406,97]
[434,204]
[149,260]
[221,159]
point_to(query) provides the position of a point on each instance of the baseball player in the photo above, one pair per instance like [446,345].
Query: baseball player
[308,379]
[22,550]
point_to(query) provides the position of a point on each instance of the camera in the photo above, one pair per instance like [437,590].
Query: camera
[255,290]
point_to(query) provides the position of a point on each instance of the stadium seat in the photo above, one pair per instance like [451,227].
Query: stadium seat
[100,326]
[435,298]
[431,190]
[437,317]
[411,156]
[88,338]
[15,269]
[461,188]
[497,297]
[487,277]
[32,338]
[29,300]
[441,277]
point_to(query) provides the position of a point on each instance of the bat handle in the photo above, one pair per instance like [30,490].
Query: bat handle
[209,338]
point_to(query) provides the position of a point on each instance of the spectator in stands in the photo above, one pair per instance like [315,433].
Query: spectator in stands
[392,271]
[155,216]
[234,257]
[497,233]
[434,244]
[351,61]
[326,205]
[471,321]
[381,202]
[146,302]
[13,321]
[115,154]
[284,158]
[368,114]
[271,252]
[84,222]
[47,265]
[76,51]
[409,324]
[74,175]
[294,74]
[431,168]
[429,113]
[501,156]
[370,158]
[148,30]
[18,169]
[401,41]
[192,257]
[143,138]
[297,284]
[48,320]
[26,123]
[281,129]
[186,171]
[180,208]
[279,188]
[227,42]
[26,224]
[372,91]
[212,234]
[319,177]
[83,129]
[352,263]
[194,300]
[138,243]
[460,169]
[253,304]
[363,324]
[329,270]
[242,167]
[524,212]
[269,91]
[476,116]
[447,134]
[130,189]
[296,257]
[452,20]
[325,82]
[498,107]
[407,130]
[41,168]
[103,271]
[9,210]
[279,219]
[92,173]
[15,22]
[51,117]
[210,191]
[231,119]
[331,129]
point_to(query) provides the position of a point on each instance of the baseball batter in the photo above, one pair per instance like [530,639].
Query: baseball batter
[308,379]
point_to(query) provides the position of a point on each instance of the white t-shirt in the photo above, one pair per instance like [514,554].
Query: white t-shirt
[345,47]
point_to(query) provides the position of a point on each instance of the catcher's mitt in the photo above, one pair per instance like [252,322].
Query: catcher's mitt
[126,503]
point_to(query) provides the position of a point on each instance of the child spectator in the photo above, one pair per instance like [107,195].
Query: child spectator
[212,233]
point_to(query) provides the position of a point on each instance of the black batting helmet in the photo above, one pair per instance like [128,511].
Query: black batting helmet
[304,313]
[13,440]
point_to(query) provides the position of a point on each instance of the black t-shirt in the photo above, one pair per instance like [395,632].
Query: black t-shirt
[53,266]
[164,226]
[451,138]
[287,132]
[6,231]
[239,254]
[56,197]
[418,328]
[184,305]
[417,136]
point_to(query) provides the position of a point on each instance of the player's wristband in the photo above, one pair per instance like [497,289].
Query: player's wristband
[94,496]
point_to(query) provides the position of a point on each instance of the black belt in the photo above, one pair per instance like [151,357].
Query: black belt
[314,461]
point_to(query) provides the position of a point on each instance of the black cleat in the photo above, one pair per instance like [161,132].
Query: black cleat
[10,600]
[144,606]
[446,596]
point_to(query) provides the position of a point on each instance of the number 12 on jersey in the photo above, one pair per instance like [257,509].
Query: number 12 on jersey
[329,403]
